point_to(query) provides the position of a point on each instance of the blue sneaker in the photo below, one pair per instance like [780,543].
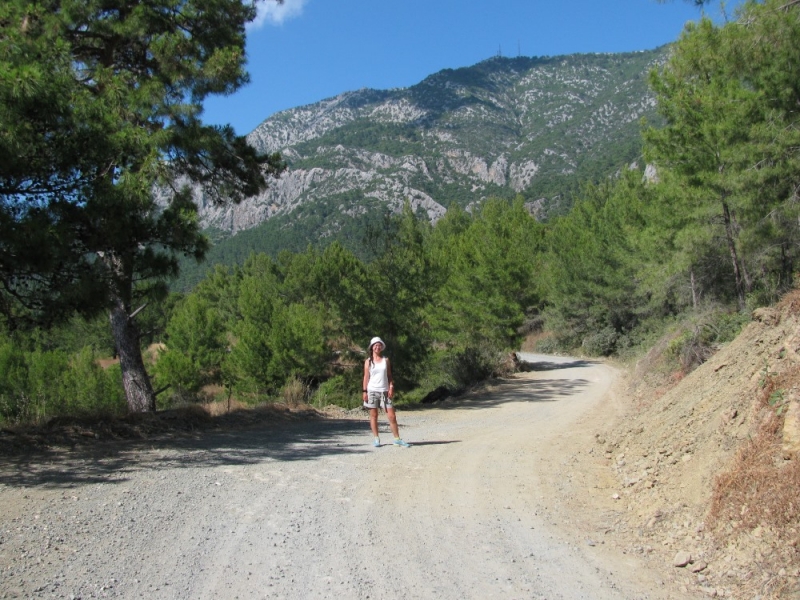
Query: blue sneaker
[376,442]
[401,443]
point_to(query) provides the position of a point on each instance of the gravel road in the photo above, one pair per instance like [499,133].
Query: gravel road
[476,508]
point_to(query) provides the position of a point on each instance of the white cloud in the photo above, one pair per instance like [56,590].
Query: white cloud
[269,11]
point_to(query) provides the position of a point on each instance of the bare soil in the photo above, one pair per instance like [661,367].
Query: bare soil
[685,438]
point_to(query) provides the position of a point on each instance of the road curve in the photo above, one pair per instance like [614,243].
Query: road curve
[473,510]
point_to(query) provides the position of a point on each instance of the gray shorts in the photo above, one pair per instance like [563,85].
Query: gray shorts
[377,400]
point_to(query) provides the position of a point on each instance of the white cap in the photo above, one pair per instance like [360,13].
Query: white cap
[373,341]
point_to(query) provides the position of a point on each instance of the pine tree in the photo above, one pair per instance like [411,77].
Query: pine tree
[100,104]
[729,96]
[489,265]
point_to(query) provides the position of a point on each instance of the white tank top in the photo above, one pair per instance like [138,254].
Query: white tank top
[378,378]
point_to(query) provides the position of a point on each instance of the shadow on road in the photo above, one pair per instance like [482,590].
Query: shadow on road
[511,390]
[436,443]
[555,366]
[111,462]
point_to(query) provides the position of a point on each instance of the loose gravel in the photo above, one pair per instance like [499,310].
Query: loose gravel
[311,510]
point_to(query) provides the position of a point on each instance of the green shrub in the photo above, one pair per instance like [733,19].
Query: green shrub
[37,385]
[701,338]
[342,390]
[87,388]
[177,370]
[470,365]
[195,349]
[601,343]
[729,325]
[548,345]
[113,399]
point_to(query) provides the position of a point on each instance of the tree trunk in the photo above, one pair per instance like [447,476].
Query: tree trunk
[747,283]
[138,389]
[730,238]
[694,289]
[786,266]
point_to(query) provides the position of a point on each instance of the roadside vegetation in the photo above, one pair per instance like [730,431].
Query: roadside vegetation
[447,300]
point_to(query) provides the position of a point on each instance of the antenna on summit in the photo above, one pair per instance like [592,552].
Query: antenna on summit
[499,50]
[519,53]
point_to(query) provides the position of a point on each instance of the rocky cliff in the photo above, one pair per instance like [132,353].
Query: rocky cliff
[529,126]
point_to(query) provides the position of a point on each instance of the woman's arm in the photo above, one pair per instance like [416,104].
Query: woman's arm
[389,377]
[366,379]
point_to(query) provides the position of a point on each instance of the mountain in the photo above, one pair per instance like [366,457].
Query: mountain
[503,127]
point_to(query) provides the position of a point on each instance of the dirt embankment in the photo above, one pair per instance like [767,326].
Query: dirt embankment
[700,467]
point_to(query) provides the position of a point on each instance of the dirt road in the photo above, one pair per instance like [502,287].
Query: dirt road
[499,497]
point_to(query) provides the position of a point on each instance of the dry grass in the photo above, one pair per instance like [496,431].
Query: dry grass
[149,355]
[654,374]
[221,407]
[153,351]
[530,341]
[187,419]
[295,392]
[790,303]
[758,495]
[105,363]
[214,390]
[760,489]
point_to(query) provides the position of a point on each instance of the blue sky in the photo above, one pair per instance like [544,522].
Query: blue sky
[306,50]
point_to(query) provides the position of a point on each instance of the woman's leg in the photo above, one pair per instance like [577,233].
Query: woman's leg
[373,421]
[392,421]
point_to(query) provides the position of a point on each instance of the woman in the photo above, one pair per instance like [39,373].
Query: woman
[378,389]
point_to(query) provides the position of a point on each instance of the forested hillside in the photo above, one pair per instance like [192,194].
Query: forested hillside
[535,127]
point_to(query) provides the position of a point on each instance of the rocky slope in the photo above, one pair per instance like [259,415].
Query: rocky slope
[530,126]
[706,474]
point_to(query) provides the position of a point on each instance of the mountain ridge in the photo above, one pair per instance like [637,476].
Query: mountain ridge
[502,121]
[530,126]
